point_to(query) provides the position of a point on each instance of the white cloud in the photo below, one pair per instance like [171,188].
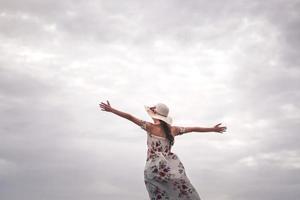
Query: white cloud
[287,160]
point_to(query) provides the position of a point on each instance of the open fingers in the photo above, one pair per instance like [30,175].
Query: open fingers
[103,105]
[223,129]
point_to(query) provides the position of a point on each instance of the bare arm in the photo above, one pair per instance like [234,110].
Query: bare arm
[216,128]
[108,108]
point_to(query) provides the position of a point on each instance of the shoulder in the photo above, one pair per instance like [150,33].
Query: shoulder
[177,130]
[147,126]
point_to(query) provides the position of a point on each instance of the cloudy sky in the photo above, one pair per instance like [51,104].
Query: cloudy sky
[234,62]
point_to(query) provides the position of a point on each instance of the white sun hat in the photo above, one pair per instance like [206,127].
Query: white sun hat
[161,112]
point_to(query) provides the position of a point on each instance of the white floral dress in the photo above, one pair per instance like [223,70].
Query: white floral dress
[164,174]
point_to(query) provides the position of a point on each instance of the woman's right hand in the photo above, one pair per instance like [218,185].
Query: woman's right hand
[106,107]
[219,129]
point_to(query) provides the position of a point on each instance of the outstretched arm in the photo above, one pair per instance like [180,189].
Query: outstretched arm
[107,107]
[216,128]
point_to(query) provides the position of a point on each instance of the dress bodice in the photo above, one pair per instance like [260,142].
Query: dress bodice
[157,145]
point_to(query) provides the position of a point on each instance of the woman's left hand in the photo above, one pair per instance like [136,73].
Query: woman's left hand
[106,107]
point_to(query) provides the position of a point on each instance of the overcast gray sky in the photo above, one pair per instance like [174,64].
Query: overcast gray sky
[231,62]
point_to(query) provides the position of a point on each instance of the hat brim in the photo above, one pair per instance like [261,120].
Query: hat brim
[167,119]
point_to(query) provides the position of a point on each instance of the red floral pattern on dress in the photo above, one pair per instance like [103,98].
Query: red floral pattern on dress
[164,173]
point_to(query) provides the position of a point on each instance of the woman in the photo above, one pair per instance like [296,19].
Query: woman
[164,174]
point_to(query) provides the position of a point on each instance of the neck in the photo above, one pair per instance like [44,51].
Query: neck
[156,121]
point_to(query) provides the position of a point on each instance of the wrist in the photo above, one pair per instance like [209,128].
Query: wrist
[213,129]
